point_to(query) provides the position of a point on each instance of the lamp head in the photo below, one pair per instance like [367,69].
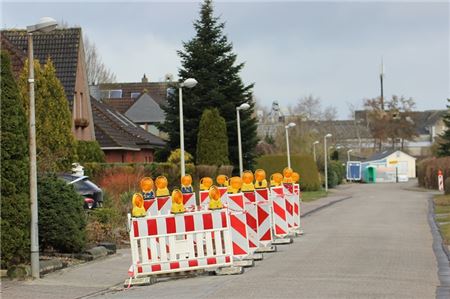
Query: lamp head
[328,135]
[243,106]
[290,125]
[316,142]
[189,83]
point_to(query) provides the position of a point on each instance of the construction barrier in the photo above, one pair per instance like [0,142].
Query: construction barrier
[182,242]
[265,237]
[190,201]
[204,199]
[297,208]
[252,219]
[290,197]
[280,222]
[239,229]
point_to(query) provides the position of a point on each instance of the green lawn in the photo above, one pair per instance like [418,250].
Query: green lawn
[309,196]
[442,206]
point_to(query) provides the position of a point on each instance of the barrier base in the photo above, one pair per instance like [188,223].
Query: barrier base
[267,249]
[254,256]
[244,263]
[140,281]
[233,270]
[282,241]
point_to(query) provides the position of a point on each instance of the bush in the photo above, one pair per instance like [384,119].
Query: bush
[447,185]
[303,164]
[175,157]
[338,169]
[226,170]
[206,170]
[427,171]
[61,216]
[89,151]
[333,179]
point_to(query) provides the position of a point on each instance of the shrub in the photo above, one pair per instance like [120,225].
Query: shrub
[303,164]
[338,169]
[89,151]
[226,170]
[332,177]
[427,171]
[175,157]
[61,216]
[206,170]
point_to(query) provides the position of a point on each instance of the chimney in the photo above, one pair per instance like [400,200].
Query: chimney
[144,79]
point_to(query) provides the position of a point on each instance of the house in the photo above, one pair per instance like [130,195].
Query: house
[65,48]
[120,138]
[141,101]
[390,165]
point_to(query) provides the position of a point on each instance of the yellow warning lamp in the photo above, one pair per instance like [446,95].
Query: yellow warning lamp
[177,202]
[214,199]
[260,178]
[287,174]
[234,185]
[247,181]
[295,177]
[205,183]
[222,180]
[161,186]
[138,205]
[276,179]
[186,184]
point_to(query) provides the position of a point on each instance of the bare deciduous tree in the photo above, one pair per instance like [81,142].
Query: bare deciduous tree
[96,70]
[309,107]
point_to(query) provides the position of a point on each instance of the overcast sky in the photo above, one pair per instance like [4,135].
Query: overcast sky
[331,50]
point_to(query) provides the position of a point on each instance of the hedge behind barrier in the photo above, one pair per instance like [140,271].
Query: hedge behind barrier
[303,164]
[427,171]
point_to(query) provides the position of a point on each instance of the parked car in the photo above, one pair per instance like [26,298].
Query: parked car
[92,194]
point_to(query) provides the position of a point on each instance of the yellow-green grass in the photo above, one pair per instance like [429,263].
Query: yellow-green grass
[309,196]
[445,232]
[442,206]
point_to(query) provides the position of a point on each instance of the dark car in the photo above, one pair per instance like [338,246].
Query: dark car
[92,194]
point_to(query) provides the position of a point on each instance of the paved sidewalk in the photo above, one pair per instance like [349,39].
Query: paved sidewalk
[97,276]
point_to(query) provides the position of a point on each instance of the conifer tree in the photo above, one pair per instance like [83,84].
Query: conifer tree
[444,146]
[55,143]
[208,57]
[15,205]
[212,140]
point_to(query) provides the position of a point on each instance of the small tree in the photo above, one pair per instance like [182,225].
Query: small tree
[444,146]
[15,205]
[89,151]
[212,140]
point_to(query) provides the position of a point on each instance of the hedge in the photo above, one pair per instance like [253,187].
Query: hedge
[427,171]
[303,164]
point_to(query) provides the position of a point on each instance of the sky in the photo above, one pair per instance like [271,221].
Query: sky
[291,49]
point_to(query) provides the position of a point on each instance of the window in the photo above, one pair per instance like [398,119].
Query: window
[135,95]
[115,93]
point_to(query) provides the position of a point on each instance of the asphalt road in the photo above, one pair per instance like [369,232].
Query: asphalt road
[376,244]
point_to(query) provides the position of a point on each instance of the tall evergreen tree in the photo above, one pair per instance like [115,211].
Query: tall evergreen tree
[55,143]
[444,146]
[15,205]
[212,140]
[209,58]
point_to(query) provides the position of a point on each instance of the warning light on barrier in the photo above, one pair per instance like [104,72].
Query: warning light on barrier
[205,183]
[247,181]
[186,184]
[138,205]
[260,178]
[287,174]
[147,188]
[276,179]
[161,186]
[234,185]
[214,199]
[295,177]
[177,202]
[222,180]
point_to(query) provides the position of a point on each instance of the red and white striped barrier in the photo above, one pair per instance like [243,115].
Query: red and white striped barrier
[174,243]
[297,208]
[151,207]
[280,224]
[204,199]
[236,202]
[289,195]
[265,237]
[164,204]
[239,235]
[223,195]
[252,220]
[190,202]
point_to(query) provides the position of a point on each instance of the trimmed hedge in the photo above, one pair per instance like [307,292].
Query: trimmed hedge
[427,171]
[303,164]
[336,173]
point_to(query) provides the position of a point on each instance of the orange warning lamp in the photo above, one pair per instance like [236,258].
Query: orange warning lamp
[276,179]
[214,199]
[205,183]
[287,174]
[177,202]
[260,177]
[295,177]
[186,184]
[247,181]
[146,184]
[161,186]
[222,180]
[138,205]
[234,185]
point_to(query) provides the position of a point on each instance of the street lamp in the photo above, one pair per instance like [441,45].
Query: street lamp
[45,24]
[314,150]
[348,154]
[325,150]
[243,106]
[188,83]
[290,125]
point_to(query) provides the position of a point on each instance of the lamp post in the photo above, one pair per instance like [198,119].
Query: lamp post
[325,150]
[314,150]
[243,106]
[45,24]
[348,154]
[290,125]
[189,83]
